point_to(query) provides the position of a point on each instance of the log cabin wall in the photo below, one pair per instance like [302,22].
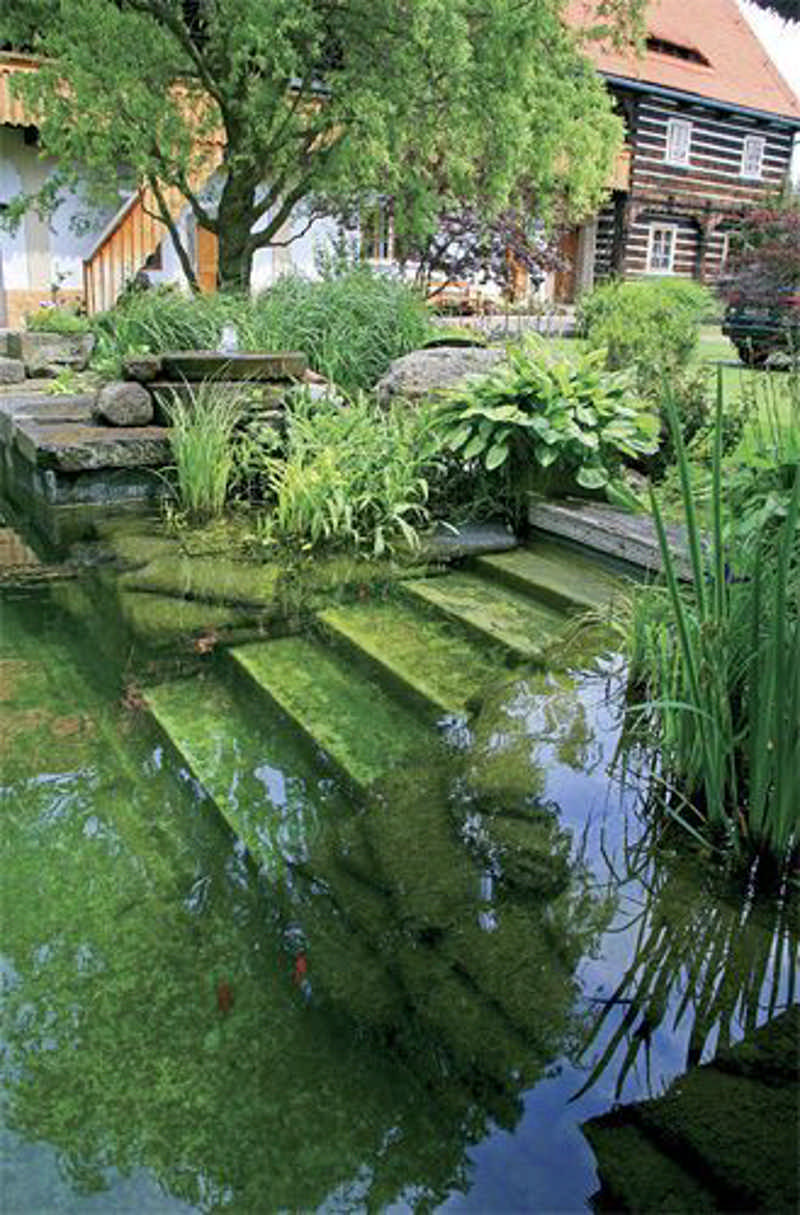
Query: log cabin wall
[697,201]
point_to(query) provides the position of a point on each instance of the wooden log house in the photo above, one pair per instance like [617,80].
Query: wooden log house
[710,129]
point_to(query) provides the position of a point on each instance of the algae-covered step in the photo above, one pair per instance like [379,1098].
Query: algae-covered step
[260,779]
[566,578]
[432,660]
[363,730]
[210,579]
[519,624]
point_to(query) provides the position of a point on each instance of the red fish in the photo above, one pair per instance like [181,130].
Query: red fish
[300,969]
[224,997]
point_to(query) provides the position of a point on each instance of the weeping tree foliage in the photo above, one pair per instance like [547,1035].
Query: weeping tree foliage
[295,99]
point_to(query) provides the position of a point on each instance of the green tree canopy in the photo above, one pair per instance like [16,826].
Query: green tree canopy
[428,100]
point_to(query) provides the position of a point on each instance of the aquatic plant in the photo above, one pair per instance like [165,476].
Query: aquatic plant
[718,663]
[204,446]
[546,421]
[353,475]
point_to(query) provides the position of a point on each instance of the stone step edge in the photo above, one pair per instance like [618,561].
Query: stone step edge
[535,656]
[533,589]
[415,692]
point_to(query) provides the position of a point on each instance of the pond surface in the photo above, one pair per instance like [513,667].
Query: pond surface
[417,1004]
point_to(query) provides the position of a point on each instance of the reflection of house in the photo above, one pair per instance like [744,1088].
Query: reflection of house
[710,127]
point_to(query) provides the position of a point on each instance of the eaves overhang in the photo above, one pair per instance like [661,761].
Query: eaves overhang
[711,103]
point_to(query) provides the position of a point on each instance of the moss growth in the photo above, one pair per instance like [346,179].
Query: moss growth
[362,729]
[430,658]
[565,578]
[505,617]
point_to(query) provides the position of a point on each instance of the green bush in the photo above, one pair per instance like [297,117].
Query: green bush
[350,326]
[55,319]
[649,324]
[352,475]
[549,423]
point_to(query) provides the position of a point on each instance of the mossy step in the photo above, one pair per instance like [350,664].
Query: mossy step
[162,618]
[551,572]
[521,625]
[430,659]
[256,772]
[354,721]
[211,579]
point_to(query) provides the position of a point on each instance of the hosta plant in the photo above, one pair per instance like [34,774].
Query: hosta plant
[550,423]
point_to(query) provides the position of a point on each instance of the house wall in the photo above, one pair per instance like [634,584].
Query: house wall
[43,252]
[702,199]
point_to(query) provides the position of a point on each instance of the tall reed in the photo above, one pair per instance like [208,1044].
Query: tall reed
[204,446]
[720,664]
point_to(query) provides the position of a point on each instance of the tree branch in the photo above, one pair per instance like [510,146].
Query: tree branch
[167,220]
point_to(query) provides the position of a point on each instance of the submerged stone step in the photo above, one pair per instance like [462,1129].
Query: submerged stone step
[521,625]
[363,730]
[252,767]
[552,572]
[433,661]
[161,618]
[210,579]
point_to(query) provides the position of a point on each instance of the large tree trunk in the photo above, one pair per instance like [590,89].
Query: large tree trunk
[234,221]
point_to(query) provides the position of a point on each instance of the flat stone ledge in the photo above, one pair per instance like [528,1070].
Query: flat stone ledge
[630,538]
[82,448]
[41,408]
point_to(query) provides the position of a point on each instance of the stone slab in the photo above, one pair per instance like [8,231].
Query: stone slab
[12,371]
[469,540]
[39,350]
[554,572]
[522,626]
[80,448]
[630,538]
[194,365]
[42,408]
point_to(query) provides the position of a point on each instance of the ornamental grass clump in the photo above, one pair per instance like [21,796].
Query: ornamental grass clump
[717,665]
[352,475]
[549,423]
[204,446]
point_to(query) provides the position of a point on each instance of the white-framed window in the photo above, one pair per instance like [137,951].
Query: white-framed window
[753,155]
[661,248]
[679,141]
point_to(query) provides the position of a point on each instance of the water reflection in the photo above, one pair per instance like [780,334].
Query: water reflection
[709,962]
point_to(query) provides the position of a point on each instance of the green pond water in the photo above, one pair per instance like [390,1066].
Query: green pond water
[410,997]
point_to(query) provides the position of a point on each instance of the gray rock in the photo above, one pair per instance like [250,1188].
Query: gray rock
[143,367]
[12,371]
[124,403]
[426,373]
[5,334]
[46,354]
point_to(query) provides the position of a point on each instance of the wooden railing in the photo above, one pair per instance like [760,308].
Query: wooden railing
[124,246]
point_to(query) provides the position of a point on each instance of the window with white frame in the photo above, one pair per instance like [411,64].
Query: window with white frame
[753,155]
[661,248]
[679,141]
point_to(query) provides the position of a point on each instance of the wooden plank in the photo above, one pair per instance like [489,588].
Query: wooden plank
[630,538]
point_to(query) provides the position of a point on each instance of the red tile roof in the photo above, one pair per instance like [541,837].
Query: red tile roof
[739,69]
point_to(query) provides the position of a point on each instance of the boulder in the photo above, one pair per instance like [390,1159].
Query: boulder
[46,354]
[12,371]
[124,403]
[430,372]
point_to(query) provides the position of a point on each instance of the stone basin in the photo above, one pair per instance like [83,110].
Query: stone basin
[195,365]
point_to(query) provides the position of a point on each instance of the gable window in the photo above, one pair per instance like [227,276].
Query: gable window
[679,140]
[661,248]
[753,155]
